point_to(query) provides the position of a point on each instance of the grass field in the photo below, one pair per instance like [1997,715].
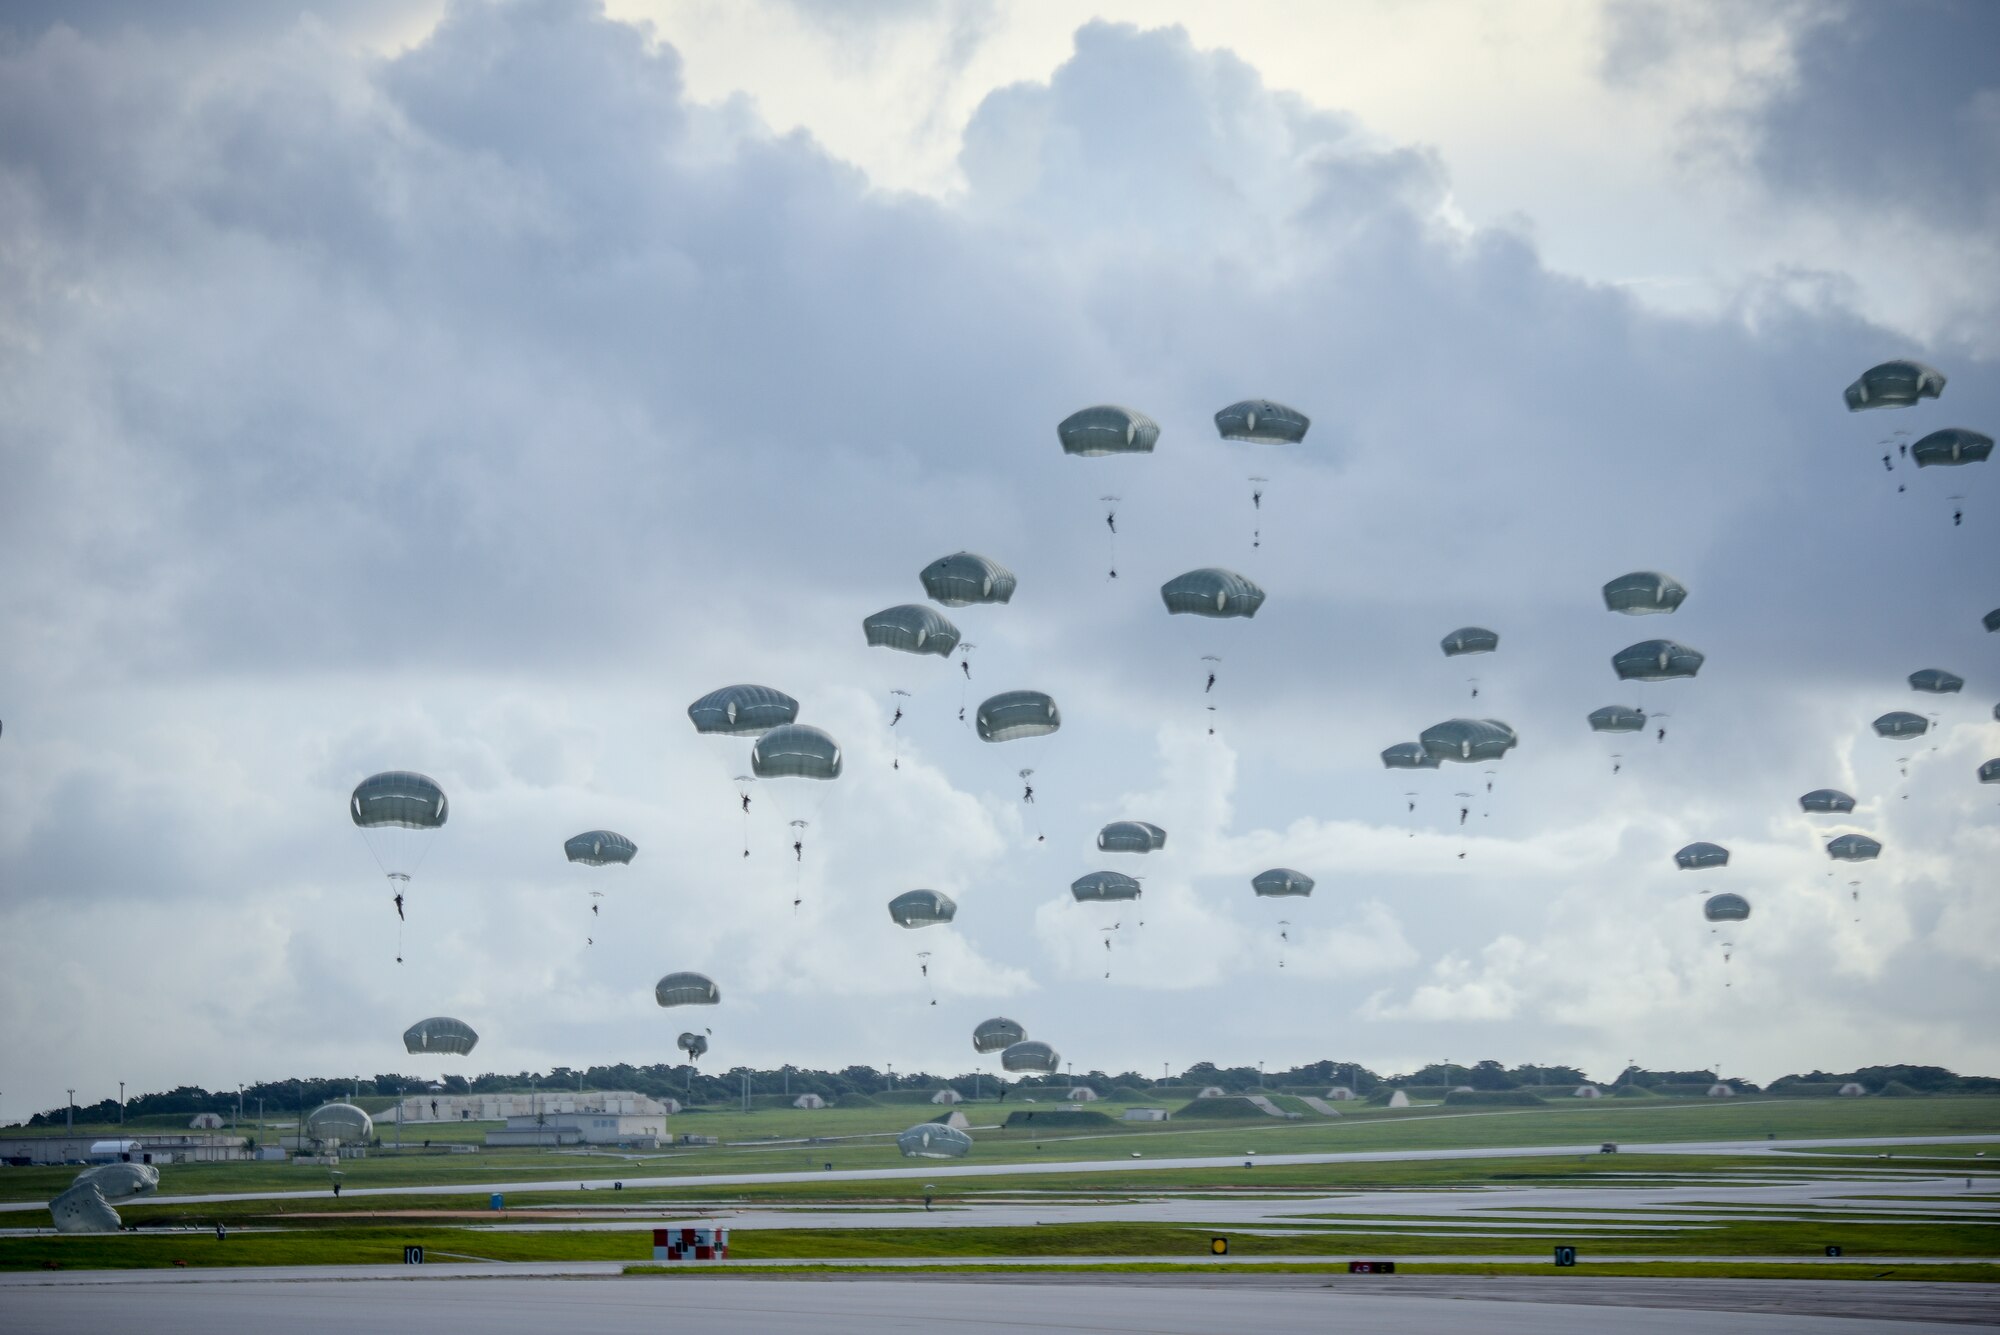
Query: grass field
[750,1135]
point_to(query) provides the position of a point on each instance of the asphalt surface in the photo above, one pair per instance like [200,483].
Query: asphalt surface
[1273,1305]
[938,1172]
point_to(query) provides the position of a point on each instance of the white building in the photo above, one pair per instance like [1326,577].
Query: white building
[1146,1114]
[947,1097]
[642,1131]
[501,1107]
[808,1101]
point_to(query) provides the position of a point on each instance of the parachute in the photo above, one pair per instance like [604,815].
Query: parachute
[1104,885]
[1031,1055]
[1990,772]
[1726,908]
[1263,421]
[1618,718]
[1107,429]
[1408,755]
[741,710]
[1826,801]
[1896,384]
[687,989]
[934,1140]
[912,628]
[1280,882]
[1853,848]
[1015,714]
[598,848]
[1900,724]
[339,1124]
[795,751]
[1131,836]
[995,1034]
[1950,447]
[1644,593]
[440,1033]
[1656,660]
[1470,640]
[964,578]
[1467,740]
[1936,681]
[921,908]
[1991,620]
[398,800]
[1212,592]
[1701,856]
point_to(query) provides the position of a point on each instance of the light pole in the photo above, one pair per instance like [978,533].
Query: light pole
[69,1114]
[121,1103]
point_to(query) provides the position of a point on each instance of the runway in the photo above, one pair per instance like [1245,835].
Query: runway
[938,1172]
[1193,1305]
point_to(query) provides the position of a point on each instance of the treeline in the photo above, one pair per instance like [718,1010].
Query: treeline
[857,1084]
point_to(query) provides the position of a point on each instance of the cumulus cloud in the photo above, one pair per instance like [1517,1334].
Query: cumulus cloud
[474,408]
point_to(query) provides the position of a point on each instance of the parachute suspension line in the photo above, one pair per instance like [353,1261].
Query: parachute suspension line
[1028,799]
[1464,810]
[924,966]
[743,782]
[1257,509]
[1106,933]
[798,862]
[965,649]
[1111,523]
[1211,664]
[896,699]
[1284,939]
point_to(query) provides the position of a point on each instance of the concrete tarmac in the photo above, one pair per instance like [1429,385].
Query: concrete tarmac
[938,1172]
[1194,1305]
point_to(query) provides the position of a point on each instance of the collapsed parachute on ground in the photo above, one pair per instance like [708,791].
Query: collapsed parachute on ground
[340,1122]
[922,908]
[912,628]
[597,848]
[85,1206]
[1212,592]
[1617,718]
[1131,836]
[1936,681]
[741,710]
[1701,856]
[1031,1055]
[1656,660]
[399,799]
[440,1033]
[1726,908]
[694,1045]
[1015,714]
[1952,446]
[1467,740]
[1826,800]
[1107,429]
[795,751]
[1901,723]
[1408,755]
[1644,593]
[1853,848]
[996,1034]
[934,1140]
[687,989]
[1104,885]
[1470,640]
[1896,384]
[1280,882]
[964,578]
[1264,421]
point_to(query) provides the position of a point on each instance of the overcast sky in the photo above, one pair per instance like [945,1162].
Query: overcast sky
[467,389]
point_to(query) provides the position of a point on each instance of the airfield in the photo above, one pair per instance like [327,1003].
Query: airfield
[1710,1215]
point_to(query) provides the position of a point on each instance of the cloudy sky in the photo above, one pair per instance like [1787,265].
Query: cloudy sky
[467,388]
